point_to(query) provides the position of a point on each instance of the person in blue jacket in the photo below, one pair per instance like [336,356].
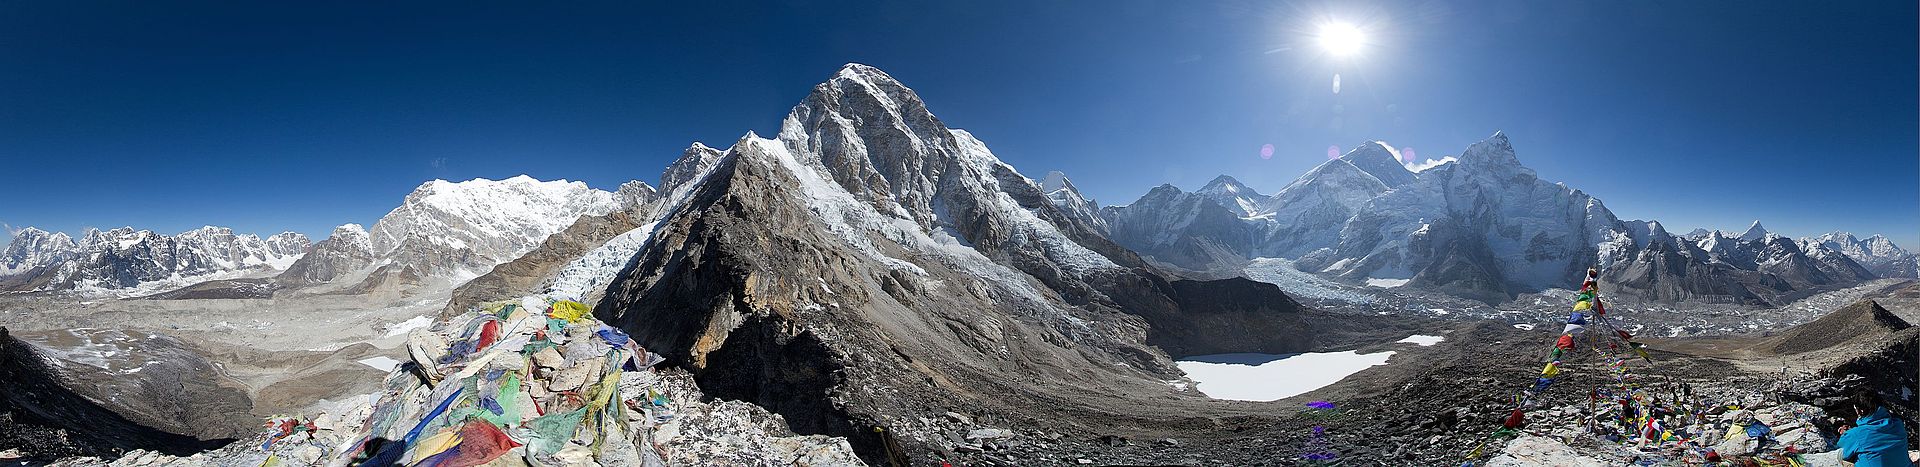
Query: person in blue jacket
[1877,439]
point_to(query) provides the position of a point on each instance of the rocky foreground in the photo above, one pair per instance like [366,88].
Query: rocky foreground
[532,382]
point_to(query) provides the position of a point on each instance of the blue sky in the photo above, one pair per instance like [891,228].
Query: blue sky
[269,116]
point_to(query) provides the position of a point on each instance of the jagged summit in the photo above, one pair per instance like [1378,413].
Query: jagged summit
[1754,232]
[692,162]
[1486,227]
[1231,194]
[1225,184]
[1054,181]
[1494,152]
[125,260]
[1381,161]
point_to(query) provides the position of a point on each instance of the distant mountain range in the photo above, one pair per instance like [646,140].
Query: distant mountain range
[1484,227]
[442,231]
[123,259]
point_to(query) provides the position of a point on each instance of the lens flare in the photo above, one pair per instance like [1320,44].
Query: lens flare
[1406,154]
[1336,83]
[1333,152]
[1266,151]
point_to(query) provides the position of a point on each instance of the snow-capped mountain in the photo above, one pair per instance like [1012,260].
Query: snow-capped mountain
[1754,232]
[1229,193]
[1878,254]
[1182,229]
[1308,214]
[698,159]
[346,250]
[127,261]
[1482,226]
[1067,197]
[457,230]
[32,248]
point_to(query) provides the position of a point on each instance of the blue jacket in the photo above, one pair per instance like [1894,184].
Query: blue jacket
[1876,440]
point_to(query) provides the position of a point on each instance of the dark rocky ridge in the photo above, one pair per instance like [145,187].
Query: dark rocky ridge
[43,417]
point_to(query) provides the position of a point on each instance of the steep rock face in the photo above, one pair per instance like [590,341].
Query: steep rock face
[1186,230]
[446,228]
[346,251]
[693,163]
[635,197]
[870,267]
[50,411]
[1230,194]
[1680,270]
[451,232]
[33,248]
[1307,214]
[125,260]
[1879,255]
[1067,197]
[1381,161]
[1807,266]
[1484,226]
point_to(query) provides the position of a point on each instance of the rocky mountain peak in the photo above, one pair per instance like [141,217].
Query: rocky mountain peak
[1056,181]
[1879,245]
[1754,232]
[692,162]
[1231,194]
[1495,152]
[1380,160]
[1060,191]
[351,233]
[31,248]
[472,225]
[876,139]
[1225,184]
[634,195]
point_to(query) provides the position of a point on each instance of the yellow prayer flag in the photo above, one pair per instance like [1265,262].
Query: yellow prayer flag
[571,311]
[1582,305]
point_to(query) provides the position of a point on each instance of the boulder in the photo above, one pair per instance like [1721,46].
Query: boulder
[1528,450]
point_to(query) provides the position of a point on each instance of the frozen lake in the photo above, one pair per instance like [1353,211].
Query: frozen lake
[1269,377]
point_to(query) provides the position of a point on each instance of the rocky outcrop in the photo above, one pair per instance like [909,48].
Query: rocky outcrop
[48,411]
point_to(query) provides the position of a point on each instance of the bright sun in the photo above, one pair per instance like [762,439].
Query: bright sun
[1341,39]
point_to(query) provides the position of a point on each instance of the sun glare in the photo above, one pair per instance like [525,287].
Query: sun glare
[1341,39]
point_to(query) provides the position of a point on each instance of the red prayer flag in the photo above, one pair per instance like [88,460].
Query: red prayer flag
[1515,420]
[488,333]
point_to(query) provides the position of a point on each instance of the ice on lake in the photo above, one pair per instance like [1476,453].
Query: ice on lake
[1270,377]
